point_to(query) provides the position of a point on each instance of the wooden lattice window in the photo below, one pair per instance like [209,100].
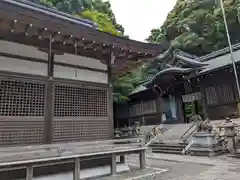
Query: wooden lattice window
[219,94]
[80,101]
[211,95]
[225,93]
[19,98]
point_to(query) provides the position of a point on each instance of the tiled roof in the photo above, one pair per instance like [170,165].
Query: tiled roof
[220,62]
[209,62]
[81,21]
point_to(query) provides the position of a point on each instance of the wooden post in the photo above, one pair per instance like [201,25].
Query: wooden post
[48,129]
[29,173]
[238,109]
[142,114]
[142,159]
[76,172]
[122,159]
[110,61]
[113,165]
[204,101]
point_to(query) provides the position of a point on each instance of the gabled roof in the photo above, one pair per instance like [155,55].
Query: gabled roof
[91,41]
[220,52]
[190,62]
[59,14]
[138,89]
[220,62]
[205,64]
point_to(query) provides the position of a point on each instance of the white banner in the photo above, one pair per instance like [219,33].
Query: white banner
[191,97]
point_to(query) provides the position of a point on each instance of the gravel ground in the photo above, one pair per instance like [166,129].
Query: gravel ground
[177,167]
[176,170]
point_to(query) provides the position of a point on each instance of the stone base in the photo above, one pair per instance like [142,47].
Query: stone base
[200,150]
[205,144]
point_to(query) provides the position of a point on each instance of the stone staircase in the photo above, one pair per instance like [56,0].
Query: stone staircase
[172,141]
[177,137]
[168,148]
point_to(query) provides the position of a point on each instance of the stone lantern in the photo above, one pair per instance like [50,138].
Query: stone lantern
[229,128]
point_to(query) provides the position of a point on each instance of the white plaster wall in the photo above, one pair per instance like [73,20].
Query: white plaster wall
[83,75]
[22,50]
[22,66]
[80,60]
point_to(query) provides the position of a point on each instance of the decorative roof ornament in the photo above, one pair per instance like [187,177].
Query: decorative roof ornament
[175,64]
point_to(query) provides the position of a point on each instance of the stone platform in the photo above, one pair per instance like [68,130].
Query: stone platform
[205,144]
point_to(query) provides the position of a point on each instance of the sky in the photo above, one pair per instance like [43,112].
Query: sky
[138,17]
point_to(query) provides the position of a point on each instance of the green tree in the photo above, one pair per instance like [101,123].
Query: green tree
[102,20]
[197,26]
[79,6]
[46,3]
[105,8]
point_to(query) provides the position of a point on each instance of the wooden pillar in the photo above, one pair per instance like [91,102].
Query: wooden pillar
[122,159]
[142,114]
[142,159]
[110,61]
[76,172]
[238,109]
[48,120]
[180,109]
[29,173]
[204,101]
[159,105]
[113,165]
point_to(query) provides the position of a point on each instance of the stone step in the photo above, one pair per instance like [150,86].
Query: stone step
[236,155]
[168,147]
[166,151]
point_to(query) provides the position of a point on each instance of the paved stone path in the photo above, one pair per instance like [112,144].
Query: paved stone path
[193,168]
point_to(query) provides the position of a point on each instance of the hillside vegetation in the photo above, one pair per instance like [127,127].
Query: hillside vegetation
[196,26]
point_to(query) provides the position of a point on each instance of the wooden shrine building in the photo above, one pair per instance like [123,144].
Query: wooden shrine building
[187,85]
[55,75]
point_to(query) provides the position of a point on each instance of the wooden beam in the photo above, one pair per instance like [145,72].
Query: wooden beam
[12,26]
[41,43]
[42,33]
[27,29]
[55,35]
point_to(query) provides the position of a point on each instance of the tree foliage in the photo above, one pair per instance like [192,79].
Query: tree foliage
[99,8]
[197,26]
[104,23]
